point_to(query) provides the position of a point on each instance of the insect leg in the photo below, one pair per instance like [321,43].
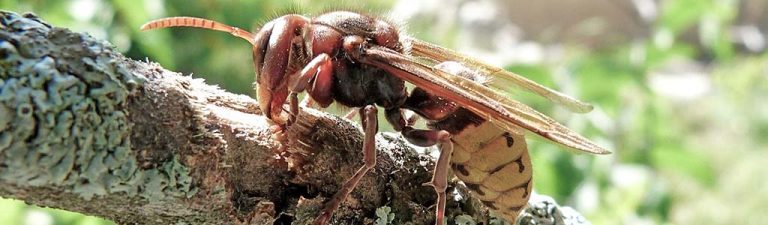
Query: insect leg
[370,125]
[351,114]
[440,175]
[427,138]
[440,178]
[294,108]
[315,77]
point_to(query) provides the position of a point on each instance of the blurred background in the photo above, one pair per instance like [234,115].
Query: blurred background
[677,86]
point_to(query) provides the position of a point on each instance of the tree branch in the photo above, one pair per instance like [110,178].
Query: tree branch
[85,129]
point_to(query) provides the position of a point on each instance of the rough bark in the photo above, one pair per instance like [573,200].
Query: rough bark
[85,129]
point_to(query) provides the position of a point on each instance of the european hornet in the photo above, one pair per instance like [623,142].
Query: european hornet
[362,62]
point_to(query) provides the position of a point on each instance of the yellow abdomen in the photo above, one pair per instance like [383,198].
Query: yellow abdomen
[495,165]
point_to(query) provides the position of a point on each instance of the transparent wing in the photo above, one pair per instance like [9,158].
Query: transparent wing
[500,77]
[496,108]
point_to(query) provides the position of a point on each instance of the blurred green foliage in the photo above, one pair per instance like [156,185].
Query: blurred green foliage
[16,212]
[677,160]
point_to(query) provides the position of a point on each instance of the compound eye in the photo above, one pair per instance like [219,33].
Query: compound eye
[261,40]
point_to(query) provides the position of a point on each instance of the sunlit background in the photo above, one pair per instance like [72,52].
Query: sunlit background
[679,87]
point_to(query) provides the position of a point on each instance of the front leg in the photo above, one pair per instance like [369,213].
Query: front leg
[317,79]
[370,125]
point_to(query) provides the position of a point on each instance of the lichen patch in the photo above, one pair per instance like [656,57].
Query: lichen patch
[63,116]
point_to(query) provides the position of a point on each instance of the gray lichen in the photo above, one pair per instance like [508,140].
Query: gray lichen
[543,210]
[63,117]
[384,215]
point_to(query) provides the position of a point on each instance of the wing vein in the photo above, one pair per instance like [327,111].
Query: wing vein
[498,109]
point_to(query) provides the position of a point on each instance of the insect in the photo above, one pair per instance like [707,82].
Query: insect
[363,62]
